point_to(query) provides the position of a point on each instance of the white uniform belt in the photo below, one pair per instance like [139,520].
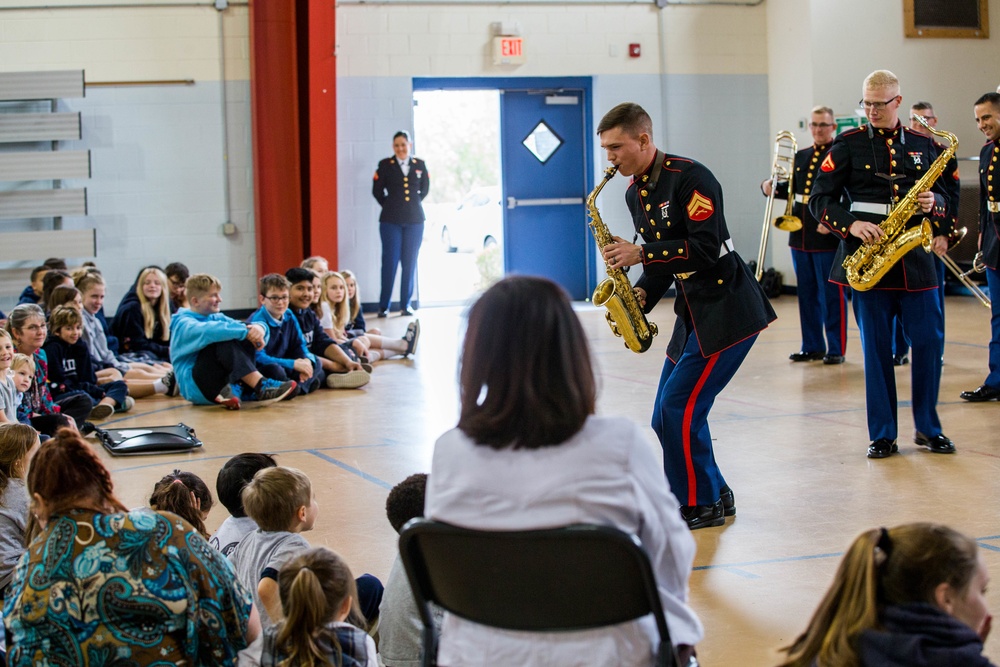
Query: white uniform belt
[727,247]
[993,206]
[802,199]
[871,207]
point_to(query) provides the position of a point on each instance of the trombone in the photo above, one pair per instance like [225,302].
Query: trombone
[963,276]
[782,168]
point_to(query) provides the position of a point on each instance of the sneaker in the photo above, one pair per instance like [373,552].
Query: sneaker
[411,337]
[229,397]
[101,411]
[170,380]
[127,405]
[271,391]
[348,380]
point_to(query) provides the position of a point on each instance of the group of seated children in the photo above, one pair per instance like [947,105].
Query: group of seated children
[83,369]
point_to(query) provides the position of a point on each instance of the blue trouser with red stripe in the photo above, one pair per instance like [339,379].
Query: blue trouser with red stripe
[993,284]
[688,388]
[822,304]
[921,317]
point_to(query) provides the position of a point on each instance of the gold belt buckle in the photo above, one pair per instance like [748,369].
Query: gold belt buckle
[683,276]
[993,206]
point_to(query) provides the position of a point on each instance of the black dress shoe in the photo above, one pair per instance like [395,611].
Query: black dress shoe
[383,313]
[901,360]
[882,448]
[728,501]
[806,356]
[407,312]
[984,393]
[703,516]
[939,444]
[832,359]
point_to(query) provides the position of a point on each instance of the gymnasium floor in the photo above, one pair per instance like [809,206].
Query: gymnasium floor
[791,440]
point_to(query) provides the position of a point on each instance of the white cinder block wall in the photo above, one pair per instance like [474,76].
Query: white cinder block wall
[158,192]
[702,77]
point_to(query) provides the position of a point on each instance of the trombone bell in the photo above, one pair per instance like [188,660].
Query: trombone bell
[788,223]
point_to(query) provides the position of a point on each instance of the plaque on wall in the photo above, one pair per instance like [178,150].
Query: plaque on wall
[967,19]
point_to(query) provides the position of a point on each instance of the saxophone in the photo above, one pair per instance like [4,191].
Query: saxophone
[869,263]
[625,316]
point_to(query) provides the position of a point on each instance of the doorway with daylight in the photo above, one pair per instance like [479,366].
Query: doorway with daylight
[511,164]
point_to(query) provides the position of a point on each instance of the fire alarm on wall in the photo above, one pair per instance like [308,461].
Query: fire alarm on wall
[634,50]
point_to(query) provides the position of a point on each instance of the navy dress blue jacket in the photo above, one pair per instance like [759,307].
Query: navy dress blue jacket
[683,230]
[400,196]
[989,222]
[807,239]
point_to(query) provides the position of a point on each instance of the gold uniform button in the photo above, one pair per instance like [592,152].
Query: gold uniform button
[893,163]
[644,179]
[868,166]
[657,236]
[668,163]
[652,222]
[648,207]
[809,181]
[407,198]
[681,251]
[642,230]
[888,142]
[406,192]
[668,223]
[649,256]
[664,253]
[895,186]
[806,191]
[720,281]
[644,193]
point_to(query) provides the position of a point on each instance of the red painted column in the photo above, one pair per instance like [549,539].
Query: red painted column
[275,110]
[323,130]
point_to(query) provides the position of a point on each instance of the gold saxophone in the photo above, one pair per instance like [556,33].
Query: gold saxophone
[869,263]
[625,316]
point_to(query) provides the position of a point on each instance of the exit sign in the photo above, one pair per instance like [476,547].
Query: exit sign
[508,51]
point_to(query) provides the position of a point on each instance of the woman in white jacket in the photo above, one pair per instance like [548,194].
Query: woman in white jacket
[528,453]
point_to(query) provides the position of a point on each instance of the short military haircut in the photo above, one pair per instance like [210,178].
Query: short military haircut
[274,495]
[273,281]
[990,98]
[823,110]
[64,316]
[922,106]
[55,263]
[406,500]
[201,284]
[39,269]
[882,78]
[630,117]
[299,275]
[235,475]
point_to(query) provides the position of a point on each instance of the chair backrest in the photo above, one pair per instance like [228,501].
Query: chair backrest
[559,579]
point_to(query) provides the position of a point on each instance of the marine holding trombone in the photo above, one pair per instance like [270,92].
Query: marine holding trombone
[877,167]
[822,304]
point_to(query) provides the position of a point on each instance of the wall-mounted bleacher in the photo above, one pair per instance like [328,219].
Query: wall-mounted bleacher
[33,201]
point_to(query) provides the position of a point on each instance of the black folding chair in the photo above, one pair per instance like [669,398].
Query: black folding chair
[560,579]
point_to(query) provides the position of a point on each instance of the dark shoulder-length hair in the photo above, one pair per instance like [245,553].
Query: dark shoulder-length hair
[526,379]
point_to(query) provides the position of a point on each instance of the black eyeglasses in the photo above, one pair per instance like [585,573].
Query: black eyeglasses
[277,299]
[876,106]
[822,125]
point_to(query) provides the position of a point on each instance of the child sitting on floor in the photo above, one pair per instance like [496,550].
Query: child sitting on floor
[317,594]
[213,355]
[186,495]
[33,292]
[18,443]
[336,316]
[9,399]
[232,479]
[70,368]
[342,372]
[285,356]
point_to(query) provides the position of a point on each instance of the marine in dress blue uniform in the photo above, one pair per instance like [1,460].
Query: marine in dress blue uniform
[873,167]
[987,111]
[677,209]
[822,304]
[399,185]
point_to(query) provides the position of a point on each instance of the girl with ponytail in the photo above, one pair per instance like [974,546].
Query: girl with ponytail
[186,495]
[909,596]
[318,595]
